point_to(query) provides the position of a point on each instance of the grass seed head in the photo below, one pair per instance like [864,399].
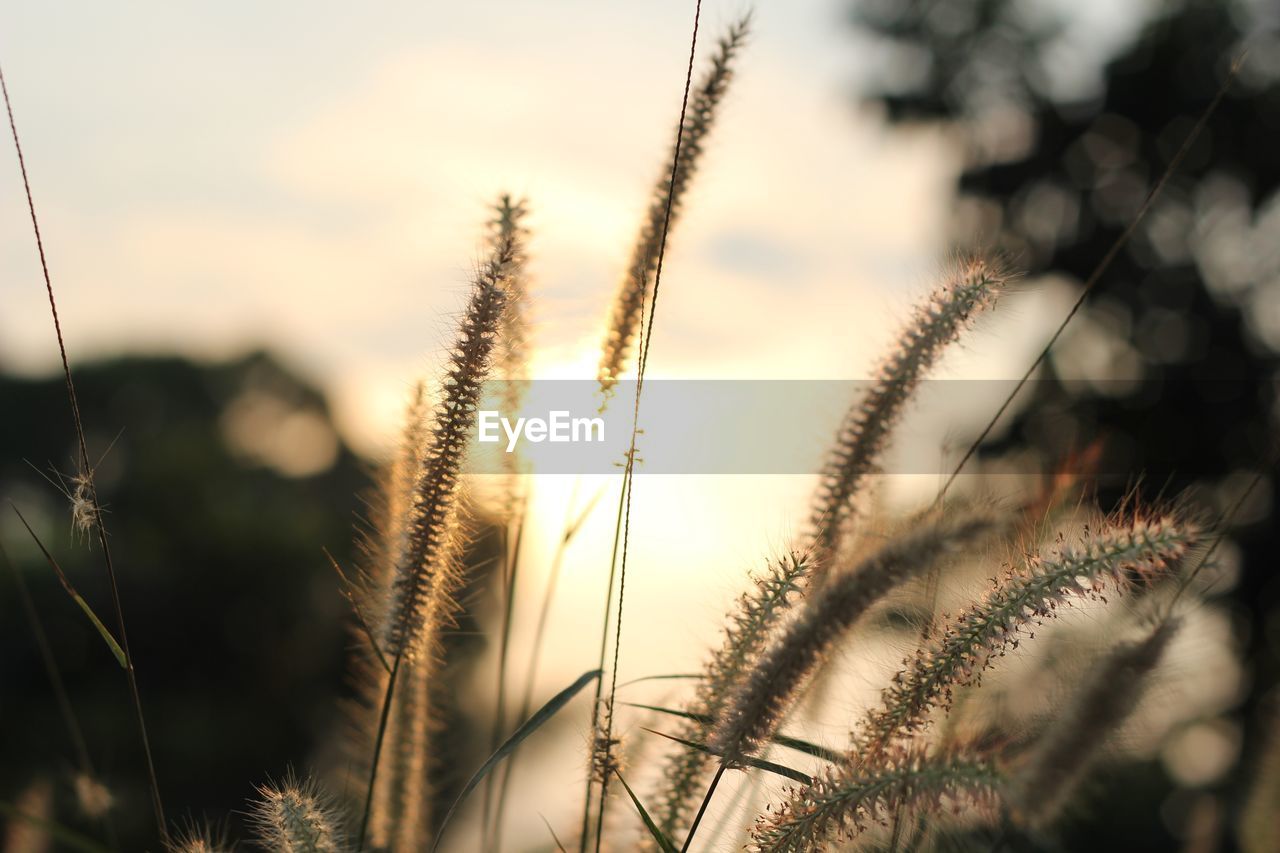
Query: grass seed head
[768,689]
[971,285]
[294,817]
[628,309]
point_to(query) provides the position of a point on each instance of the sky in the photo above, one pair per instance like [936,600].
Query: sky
[314,177]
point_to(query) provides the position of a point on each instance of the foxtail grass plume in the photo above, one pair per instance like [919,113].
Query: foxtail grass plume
[745,637]
[970,286]
[774,680]
[628,308]
[847,799]
[198,839]
[1114,556]
[511,358]
[1064,753]
[295,818]
[507,228]
[423,583]
[383,549]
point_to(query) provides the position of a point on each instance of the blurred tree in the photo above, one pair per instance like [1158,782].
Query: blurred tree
[221,489]
[1068,116]
[224,487]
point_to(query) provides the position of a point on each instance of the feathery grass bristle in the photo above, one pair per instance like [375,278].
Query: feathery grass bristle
[628,309]
[194,838]
[422,579]
[1115,556]
[971,285]
[846,800]
[294,817]
[772,683]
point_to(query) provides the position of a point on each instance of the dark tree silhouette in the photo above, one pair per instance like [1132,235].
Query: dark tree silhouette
[1063,147]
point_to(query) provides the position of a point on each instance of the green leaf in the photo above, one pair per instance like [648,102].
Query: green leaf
[683,676]
[102,629]
[664,844]
[543,714]
[758,763]
[807,747]
[121,658]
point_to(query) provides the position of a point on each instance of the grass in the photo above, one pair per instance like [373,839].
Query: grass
[903,778]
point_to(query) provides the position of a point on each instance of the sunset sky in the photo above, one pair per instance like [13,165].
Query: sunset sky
[313,178]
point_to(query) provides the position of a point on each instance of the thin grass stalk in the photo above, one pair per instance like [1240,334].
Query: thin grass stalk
[89,496]
[848,799]
[971,286]
[511,363]
[694,126]
[571,527]
[702,809]
[604,646]
[1113,557]
[511,556]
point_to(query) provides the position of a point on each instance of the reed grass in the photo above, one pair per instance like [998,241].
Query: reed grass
[893,773]
[295,817]
[848,799]
[666,204]
[764,693]
[1113,557]
[970,286]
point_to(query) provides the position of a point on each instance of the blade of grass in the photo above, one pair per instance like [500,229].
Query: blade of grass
[531,725]
[75,596]
[780,739]
[685,676]
[571,527]
[758,763]
[664,844]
